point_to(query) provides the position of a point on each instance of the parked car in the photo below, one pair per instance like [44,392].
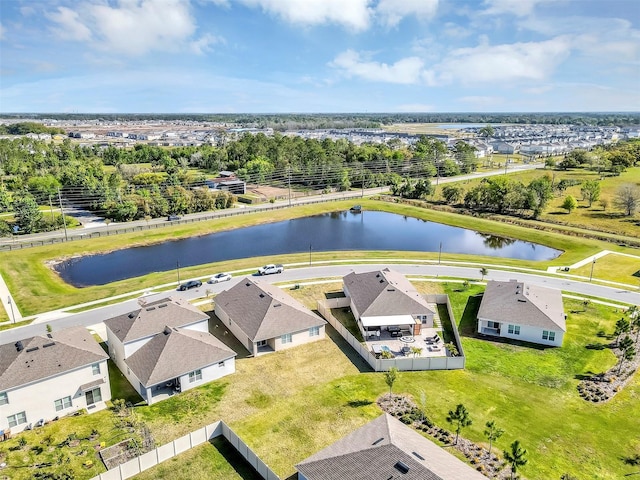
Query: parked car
[271,268]
[190,284]
[171,218]
[220,277]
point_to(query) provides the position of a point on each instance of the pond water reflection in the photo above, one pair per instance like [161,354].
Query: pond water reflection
[327,232]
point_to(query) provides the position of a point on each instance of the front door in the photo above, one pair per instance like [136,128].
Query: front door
[93,396]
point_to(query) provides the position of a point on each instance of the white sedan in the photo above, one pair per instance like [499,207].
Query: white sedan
[220,277]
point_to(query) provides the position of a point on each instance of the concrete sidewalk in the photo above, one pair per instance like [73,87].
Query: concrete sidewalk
[9,304]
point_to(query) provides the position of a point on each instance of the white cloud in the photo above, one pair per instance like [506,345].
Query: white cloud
[405,71]
[132,27]
[391,12]
[453,30]
[519,8]
[350,13]
[502,63]
[27,11]
[69,25]
[2,32]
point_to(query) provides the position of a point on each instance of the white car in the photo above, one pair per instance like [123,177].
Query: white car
[220,277]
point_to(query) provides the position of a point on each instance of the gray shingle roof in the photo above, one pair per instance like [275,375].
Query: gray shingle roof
[153,317]
[263,311]
[385,292]
[157,360]
[43,356]
[373,451]
[519,303]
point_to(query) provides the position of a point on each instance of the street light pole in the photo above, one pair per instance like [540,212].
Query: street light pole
[592,265]
[440,253]
[13,315]
[309,254]
[178,269]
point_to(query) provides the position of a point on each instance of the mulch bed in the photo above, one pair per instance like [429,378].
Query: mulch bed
[404,409]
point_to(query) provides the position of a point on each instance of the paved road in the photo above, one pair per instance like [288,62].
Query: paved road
[97,224]
[293,275]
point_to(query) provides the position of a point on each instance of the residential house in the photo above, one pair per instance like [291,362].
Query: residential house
[382,449]
[264,318]
[165,347]
[522,311]
[48,376]
[385,298]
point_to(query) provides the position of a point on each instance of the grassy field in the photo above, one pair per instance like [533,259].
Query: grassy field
[613,267]
[594,217]
[289,404]
[36,287]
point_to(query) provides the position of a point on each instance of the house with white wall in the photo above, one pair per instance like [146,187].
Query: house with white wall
[522,311]
[49,376]
[265,319]
[164,348]
[385,298]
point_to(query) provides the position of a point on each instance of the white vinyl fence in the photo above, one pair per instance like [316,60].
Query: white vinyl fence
[179,445]
[402,364]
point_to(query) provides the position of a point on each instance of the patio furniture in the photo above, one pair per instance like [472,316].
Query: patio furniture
[406,350]
[407,339]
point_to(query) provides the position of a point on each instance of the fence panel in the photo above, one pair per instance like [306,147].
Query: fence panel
[129,469]
[148,460]
[198,437]
[165,452]
[182,444]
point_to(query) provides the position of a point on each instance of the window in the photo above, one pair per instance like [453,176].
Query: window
[195,376]
[17,419]
[493,325]
[221,364]
[62,403]
[314,331]
[286,338]
[95,368]
[4,399]
[93,396]
[547,335]
[514,329]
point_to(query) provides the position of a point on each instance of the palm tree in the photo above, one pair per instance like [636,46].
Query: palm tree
[627,351]
[453,350]
[483,271]
[622,326]
[416,351]
[492,433]
[390,377]
[460,417]
[516,457]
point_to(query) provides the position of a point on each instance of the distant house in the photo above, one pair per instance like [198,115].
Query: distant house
[52,375]
[503,147]
[264,318]
[165,347]
[385,448]
[386,298]
[521,311]
[227,181]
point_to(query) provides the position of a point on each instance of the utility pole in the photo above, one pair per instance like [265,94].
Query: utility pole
[13,315]
[440,253]
[289,178]
[178,269]
[64,222]
[362,177]
[592,265]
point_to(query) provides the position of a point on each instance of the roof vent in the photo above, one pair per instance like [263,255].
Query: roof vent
[248,284]
[522,300]
[32,349]
[162,306]
[131,315]
[416,454]
[167,330]
[262,295]
[381,281]
[378,441]
[391,289]
[49,335]
[378,275]
[402,467]
[150,308]
[51,344]
[19,346]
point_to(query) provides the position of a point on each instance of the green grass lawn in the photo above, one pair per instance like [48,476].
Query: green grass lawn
[288,405]
[594,217]
[620,268]
[37,288]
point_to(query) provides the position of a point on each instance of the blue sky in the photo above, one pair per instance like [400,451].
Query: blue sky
[179,56]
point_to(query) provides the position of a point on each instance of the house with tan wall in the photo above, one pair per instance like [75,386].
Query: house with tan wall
[265,319]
